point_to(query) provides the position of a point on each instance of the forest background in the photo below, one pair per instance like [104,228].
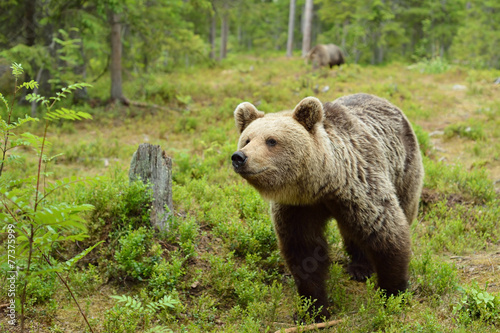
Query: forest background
[61,41]
[171,73]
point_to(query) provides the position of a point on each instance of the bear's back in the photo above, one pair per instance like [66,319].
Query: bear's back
[364,114]
[382,136]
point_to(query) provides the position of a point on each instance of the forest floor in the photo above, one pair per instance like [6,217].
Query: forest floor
[221,260]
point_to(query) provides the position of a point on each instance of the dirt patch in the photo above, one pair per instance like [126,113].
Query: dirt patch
[484,268]
[429,197]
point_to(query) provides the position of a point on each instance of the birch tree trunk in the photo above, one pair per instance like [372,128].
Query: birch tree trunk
[291,24]
[306,38]
[224,34]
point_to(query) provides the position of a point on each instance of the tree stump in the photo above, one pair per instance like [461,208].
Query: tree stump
[154,167]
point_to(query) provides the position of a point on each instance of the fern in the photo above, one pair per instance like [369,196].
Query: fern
[38,224]
[129,302]
[17,70]
[64,113]
[28,85]
[37,99]
[68,90]
[4,102]
[150,308]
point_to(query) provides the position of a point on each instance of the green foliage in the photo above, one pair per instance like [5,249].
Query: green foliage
[136,255]
[37,223]
[132,313]
[433,66]
[166,276]
[119,205]
[381,311]
[86,281]
[306,311]
[455,179]
[477,42]
[424,140]
[433,278]
[474,132]
[151,307]
[460,228]
[477,304]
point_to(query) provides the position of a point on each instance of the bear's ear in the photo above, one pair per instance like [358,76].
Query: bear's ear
[308,112]
[244,114]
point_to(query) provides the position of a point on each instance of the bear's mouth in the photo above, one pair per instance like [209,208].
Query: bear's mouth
[244,173]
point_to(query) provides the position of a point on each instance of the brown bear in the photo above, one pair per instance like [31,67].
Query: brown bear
[356,160]
[325,55]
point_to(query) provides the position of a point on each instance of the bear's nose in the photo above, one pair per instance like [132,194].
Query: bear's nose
[239,159]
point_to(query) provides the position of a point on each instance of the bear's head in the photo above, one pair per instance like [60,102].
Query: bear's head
[278,152]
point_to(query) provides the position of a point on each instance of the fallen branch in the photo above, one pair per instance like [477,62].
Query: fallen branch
[310,327]
[146,105]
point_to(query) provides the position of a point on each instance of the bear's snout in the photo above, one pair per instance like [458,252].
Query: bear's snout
[239,159]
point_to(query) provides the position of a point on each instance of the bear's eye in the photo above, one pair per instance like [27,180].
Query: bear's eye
[247,142]
[271,142]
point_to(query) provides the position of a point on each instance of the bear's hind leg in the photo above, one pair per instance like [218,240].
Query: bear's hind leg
[391,261]
[359,268]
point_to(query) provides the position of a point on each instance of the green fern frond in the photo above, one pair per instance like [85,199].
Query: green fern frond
[17,69]
[71,262]
[22,121]
[36,98]
[5,102]
[129,302]
[67,114]
[28,85]
[61,214]
[167,302]
[68,90]
[152,307]
[29,140]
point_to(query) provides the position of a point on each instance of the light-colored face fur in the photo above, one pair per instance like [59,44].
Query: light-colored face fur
[281,150]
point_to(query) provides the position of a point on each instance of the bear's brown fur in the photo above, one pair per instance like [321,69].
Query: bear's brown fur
[325,55]
[356,160]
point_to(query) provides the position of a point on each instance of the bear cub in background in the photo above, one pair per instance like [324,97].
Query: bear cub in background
[356,160]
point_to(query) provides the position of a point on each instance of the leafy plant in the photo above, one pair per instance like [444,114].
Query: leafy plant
[27,210]
[306,311]
[477,304]
[148,310]
[436,65]
[464,130]
[166,275]
[137,255]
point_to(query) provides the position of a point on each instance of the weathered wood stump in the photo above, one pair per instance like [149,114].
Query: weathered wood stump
[154,167]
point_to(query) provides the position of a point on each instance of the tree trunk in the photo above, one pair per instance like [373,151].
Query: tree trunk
[116,60]
[29,22]
[306,38]
[291,24]
[213,32]
[224,35]
[80,95]
[154,167]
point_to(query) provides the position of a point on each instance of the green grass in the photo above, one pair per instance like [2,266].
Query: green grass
[220,259]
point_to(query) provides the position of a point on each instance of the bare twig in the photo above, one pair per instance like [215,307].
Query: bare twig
[71,293]
[310,327]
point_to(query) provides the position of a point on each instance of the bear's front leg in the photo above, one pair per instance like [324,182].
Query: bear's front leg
[300,231]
